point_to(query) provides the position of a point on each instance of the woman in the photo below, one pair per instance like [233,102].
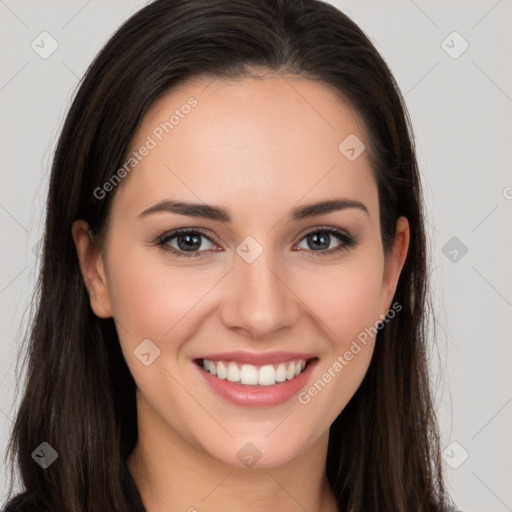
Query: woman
[233,297]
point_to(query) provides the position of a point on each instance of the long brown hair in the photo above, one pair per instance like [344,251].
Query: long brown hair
[79,396]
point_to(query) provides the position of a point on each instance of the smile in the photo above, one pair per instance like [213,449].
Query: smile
[256,380]
[248,374]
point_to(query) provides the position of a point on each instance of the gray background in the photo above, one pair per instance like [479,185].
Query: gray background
[460,105]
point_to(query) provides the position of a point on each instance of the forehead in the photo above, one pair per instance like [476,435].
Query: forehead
[256,141]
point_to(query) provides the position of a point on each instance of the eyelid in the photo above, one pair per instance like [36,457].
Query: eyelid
[169,235]
[314,229]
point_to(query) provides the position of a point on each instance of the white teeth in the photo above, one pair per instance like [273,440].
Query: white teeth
[266,375]
[222,370]
[249,374]
[233,372]
[290,372]
[281,373]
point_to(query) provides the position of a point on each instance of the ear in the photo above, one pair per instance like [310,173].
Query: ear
[93,269]
[394,263]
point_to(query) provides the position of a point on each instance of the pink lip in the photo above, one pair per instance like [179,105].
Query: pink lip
[258,396]
[257,359]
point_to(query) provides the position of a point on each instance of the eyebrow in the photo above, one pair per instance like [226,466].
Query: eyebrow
[220,214]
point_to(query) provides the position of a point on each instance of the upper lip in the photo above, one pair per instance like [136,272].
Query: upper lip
[257,359]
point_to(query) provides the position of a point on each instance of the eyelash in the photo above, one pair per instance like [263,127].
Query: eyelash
[348,241]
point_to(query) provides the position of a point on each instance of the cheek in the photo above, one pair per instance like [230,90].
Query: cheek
[149,298]
[346,302]
[346,297]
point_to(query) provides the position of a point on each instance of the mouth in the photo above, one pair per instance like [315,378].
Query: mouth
[254,375]
[255,385]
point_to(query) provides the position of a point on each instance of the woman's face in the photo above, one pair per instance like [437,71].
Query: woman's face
[263,285]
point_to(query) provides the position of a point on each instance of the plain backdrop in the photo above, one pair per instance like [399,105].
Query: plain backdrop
[452,61]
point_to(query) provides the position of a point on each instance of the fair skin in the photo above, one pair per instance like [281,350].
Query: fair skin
[258,148]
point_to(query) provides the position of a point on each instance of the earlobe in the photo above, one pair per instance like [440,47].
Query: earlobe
[93,269]
[395,261]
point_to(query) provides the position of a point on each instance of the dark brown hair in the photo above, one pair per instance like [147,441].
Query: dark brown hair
[79,395]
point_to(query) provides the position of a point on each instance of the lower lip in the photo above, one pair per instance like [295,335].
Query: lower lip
[258,396]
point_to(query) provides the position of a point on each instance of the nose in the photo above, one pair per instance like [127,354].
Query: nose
[259,298]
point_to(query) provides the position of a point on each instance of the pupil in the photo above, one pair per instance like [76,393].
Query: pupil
[192,242]
[315,238]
